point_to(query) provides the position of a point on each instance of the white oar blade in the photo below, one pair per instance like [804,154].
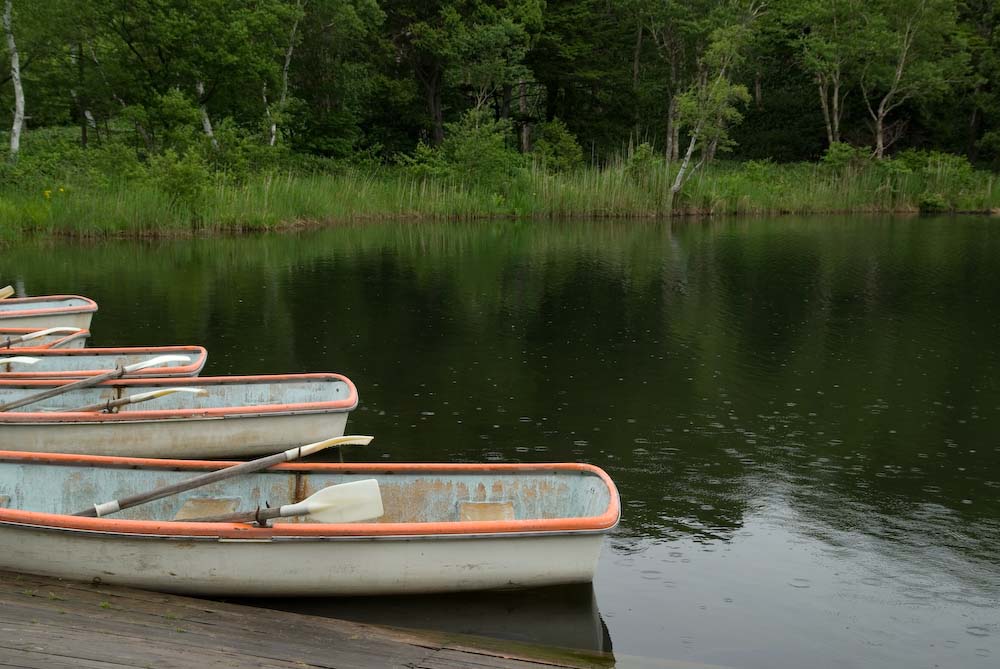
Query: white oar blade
[309,449]
[19,360]
[154,362]
[343,503]
[48,331]
[154,394]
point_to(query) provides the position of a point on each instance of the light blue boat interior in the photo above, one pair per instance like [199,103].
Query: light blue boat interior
[407,498]
[57,341]
[55,361]
[14,306]
[229,395]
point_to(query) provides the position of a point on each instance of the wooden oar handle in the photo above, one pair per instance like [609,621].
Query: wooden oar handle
[52,392]
[195,482]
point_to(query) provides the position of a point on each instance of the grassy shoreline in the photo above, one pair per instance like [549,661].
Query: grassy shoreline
[272,201]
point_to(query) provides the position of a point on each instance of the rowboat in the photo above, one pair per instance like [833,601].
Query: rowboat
[81,362]
[445,527]
[235,416]
[47,311]
[10,338]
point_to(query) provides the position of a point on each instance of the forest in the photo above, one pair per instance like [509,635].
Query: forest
[156,114]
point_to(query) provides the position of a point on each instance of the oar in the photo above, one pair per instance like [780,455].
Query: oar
[139,397]
[113,506]
[342,503]
[116,373]
[19,360]
[6,292]
[7,343]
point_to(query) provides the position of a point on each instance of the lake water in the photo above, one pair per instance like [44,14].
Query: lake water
[802,415]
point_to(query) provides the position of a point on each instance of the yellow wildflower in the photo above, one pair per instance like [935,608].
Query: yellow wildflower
[47,194]
[61,189]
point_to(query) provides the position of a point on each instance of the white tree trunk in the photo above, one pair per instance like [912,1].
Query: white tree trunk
[679,181]
[272,124]
[880,136]
[15,75]
[206,122]
[273,139]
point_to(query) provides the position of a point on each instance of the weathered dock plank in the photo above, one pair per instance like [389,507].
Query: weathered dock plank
[54,623]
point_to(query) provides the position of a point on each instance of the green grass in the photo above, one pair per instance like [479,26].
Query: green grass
[137,207]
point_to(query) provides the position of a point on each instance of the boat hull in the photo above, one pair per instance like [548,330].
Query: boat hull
[242,436]
[47,311]
[262,568]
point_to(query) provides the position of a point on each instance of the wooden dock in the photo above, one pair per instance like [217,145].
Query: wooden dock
[51,623]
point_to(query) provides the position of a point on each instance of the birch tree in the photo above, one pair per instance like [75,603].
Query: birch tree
[293,38]
[15,76]
[911,54]
[832,45]
[680,32]
[710,105]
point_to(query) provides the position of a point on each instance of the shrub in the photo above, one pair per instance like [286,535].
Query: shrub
[184,179]
[841,156]
[425,163]
[557,147]
[932,203]
[476,148]
[643,161]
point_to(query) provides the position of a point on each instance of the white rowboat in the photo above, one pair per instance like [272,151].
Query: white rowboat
[238,416]
[445,528]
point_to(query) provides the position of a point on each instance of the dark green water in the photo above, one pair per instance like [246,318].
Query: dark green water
[802,416]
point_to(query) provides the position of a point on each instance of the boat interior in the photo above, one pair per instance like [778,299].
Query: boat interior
[430,495]
[71,361]
[221,394]
[56,340]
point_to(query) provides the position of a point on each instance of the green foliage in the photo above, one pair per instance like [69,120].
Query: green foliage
[179,196]
[557,147]
[478,147]
[932,203]
[642,161]
[476,150]
[184,179]
[840,155]
[425,163]
[118,93]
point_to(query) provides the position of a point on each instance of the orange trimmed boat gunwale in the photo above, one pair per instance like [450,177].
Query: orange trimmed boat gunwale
[156,529]
[132,415]
[89,306]
[198,354]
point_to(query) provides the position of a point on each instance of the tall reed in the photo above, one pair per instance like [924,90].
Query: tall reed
[618,190]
